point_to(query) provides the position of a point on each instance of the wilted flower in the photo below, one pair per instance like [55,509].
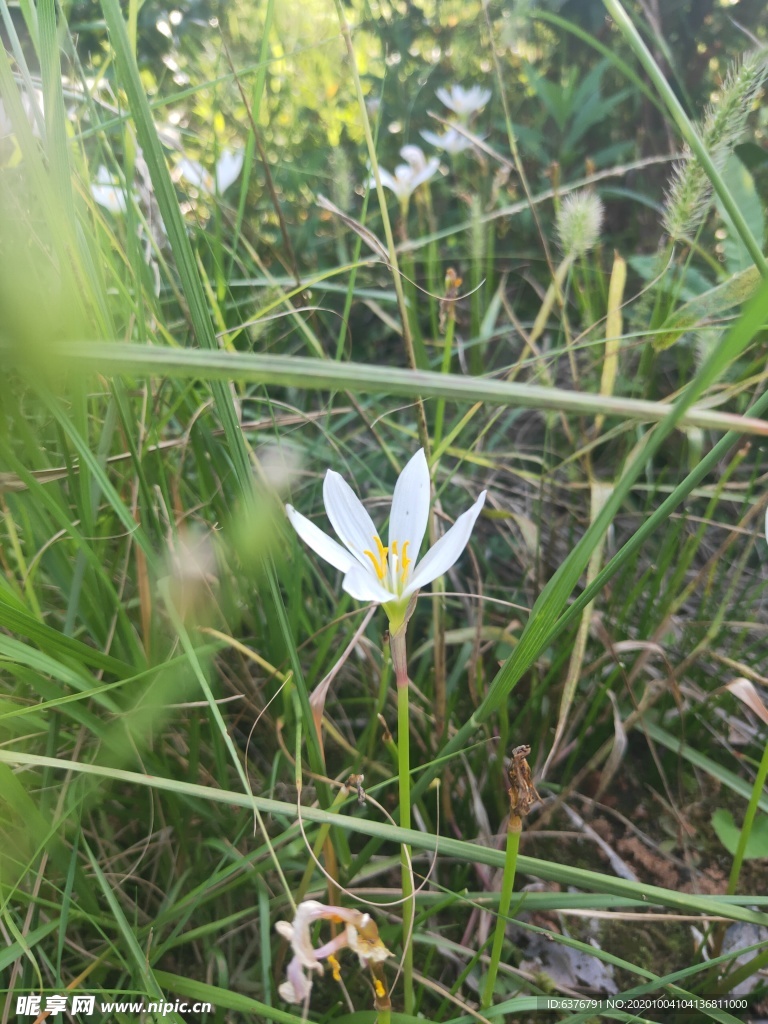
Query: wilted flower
[360,934]
[228,168]
[108,193]
[388,575]
[579,221]
[408,176]
[464,102]
[451,141]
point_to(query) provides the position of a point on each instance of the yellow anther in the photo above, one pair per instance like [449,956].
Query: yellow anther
[335,967]
[380,990]
[405,559]
[379,560]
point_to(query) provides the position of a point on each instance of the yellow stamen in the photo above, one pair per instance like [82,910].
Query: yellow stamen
[405,559]
[380,990]
[335,967]
[379,560]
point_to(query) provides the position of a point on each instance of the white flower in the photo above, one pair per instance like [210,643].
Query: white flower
[108,193]
[228,168]
[464,102]
[408,176]
[451,141]
[32,105]
[389,575]
[196,175]
[360,934]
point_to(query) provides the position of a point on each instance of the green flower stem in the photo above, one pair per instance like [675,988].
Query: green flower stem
[445,368]
[510,866]
[400,661]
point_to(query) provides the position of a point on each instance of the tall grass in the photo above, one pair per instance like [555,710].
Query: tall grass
[178,367]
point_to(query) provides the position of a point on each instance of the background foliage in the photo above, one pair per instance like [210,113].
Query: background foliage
[162,629]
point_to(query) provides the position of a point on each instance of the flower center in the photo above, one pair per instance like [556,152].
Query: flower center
[390,565]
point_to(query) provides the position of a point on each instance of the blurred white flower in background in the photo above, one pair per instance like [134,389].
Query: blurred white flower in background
[408,176]
[228,168]
[464,102]
[108,192]
[451,141]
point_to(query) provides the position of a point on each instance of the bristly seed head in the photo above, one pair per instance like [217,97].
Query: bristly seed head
[579,222]
[690,189]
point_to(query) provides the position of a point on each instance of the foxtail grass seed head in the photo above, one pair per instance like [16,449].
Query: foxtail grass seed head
[193,572]
[690,189]
[391,574]
[579,222]
[342,185]
[360,934]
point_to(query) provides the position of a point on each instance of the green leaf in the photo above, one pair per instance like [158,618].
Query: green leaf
[728,833]
[741,186]
[712,303]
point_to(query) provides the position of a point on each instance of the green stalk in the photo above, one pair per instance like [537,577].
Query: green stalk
[749,817]
[445,368]
[400,660]
[508,881]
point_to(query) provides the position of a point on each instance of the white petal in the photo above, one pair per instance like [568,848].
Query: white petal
[425,173]
[196,174]
[432,138]
[297,987]
[444,554]
[228,168]
[410,506]
[446,98]
[386,180]
[363,585]
[414,157]
[348,516]
[454,142]
[320,542]
[110,197]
